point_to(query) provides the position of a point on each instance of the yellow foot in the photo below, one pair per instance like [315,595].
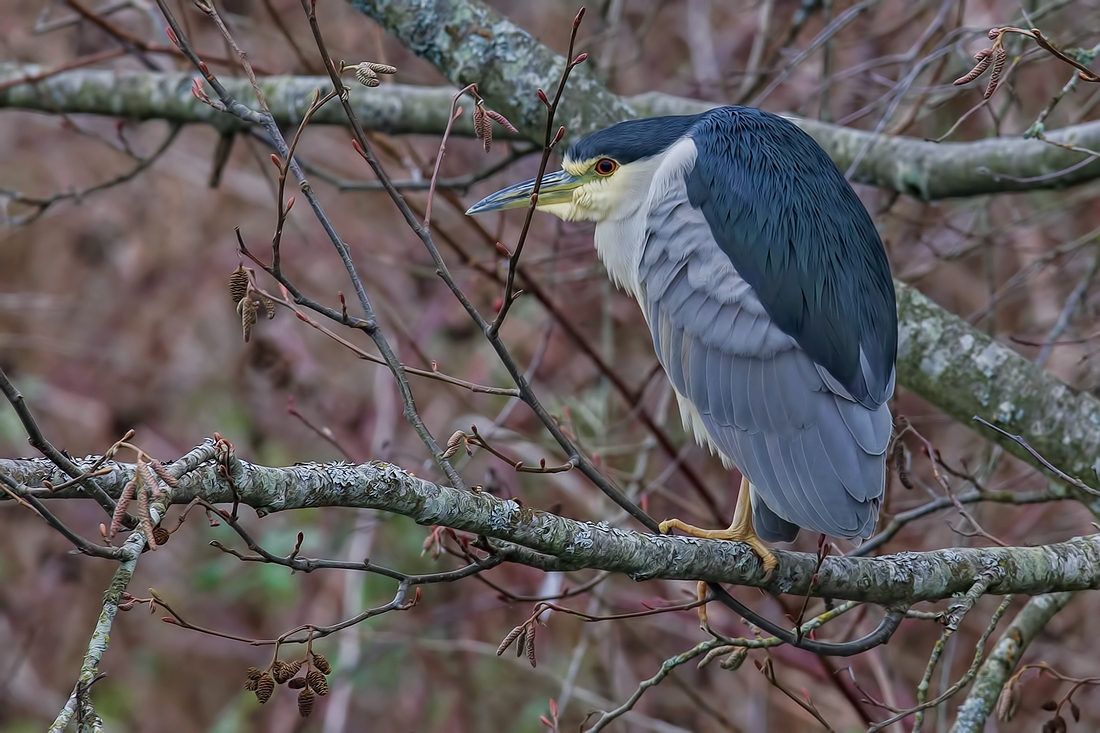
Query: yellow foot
[733,534]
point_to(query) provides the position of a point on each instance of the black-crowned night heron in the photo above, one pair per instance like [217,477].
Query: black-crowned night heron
[769,298]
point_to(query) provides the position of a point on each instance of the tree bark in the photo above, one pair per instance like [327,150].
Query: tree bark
[965,373]
[470,42]
[1004,658]
[554,543]
[917,168]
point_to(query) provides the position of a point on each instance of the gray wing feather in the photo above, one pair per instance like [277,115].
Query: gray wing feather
[815,456]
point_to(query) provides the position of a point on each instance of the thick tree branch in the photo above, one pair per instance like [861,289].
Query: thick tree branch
[965,373]
[468,41]
[560,544]
[907,165]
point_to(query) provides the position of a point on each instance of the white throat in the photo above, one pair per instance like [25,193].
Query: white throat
[620,239]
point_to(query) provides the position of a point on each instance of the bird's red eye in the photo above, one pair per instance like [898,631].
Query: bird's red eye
[606,166]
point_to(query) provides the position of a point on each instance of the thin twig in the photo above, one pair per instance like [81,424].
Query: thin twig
[1019,440]
[129,552]
[550,140]
[39,441]
[367,356]
[369,324]
[963,681]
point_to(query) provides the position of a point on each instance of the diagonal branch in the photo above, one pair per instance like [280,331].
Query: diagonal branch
[965,373]
[97,645]
[998,667]
[470,42]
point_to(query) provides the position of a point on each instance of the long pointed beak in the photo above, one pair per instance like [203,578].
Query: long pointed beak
[556,188]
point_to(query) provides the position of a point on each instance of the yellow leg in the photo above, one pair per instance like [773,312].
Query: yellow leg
[701,593]
[740,531]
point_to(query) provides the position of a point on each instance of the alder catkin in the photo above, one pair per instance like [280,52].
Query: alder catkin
[321,663]
[238,284]
[264,687]
[984,58]
[305,702]
[995,77]
[317,682]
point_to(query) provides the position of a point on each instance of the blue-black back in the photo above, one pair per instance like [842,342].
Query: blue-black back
[798,234]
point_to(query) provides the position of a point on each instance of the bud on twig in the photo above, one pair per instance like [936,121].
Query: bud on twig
[198,93]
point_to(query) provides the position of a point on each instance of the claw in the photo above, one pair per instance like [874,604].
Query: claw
[733,534]
[740,531]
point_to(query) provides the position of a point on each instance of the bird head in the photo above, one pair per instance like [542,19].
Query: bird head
[604,176]
[586,190]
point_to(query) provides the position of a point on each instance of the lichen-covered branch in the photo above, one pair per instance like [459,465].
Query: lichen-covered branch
[78,701]
[928,170]
[965,373]
[907,165]
[144,95]
[996,670]
[470,42]
[565,544]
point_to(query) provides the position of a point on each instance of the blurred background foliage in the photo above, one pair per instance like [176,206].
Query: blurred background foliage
[114,314]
